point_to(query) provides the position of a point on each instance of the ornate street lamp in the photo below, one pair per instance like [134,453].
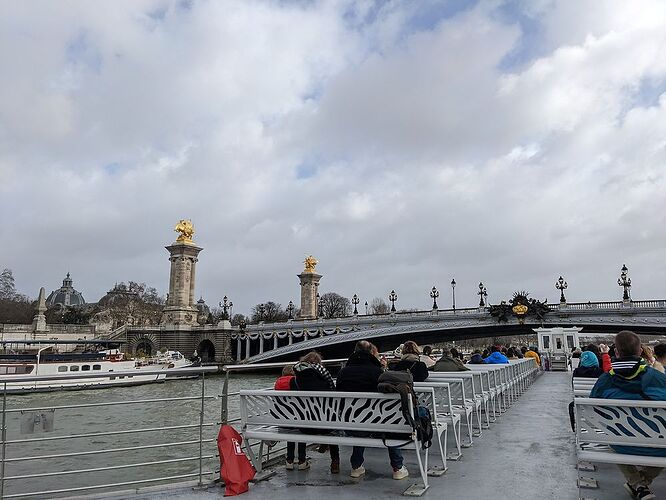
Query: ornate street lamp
[366,307]
[392,298]
[561,285]
[290,310]
[453,292]
[482,293]
[320,304]
[355,300]
[625,282]
[261,309]
[225,305]
[433,295]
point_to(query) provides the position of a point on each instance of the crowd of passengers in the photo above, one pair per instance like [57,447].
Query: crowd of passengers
[630,370]
[361,374]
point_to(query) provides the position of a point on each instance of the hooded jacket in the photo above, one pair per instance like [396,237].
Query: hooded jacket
[589,366]
[313,377]
[284,383]
[496,358]
[476,359]
[631,378]
[360,374]
[449,364]
[412,363]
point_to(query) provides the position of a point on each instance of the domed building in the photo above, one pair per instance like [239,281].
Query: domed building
[65,295]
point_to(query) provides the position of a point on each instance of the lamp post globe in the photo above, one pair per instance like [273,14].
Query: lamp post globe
[392,298]
[433,295]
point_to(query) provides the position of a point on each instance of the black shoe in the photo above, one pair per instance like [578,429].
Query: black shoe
[630,489]
[644,493]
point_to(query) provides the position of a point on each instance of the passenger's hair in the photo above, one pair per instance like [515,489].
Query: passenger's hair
[373,349]
[494,348]
[312,357]
[454,352]
[410,347]
[660,350]
[485,353]
[523,349]
[427,350]
[476,351]
[363,346]
[647,353]
[627,343]
[288,370]
[594,348]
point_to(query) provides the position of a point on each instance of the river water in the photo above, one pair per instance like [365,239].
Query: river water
[113,418]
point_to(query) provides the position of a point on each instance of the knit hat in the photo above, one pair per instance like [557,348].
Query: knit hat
[589,359]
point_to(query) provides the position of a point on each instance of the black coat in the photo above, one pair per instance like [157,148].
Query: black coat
[588,372]
[418,368]
[360,374]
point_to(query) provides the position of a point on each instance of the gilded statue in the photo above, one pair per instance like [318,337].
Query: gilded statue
[186,230]
[310,264]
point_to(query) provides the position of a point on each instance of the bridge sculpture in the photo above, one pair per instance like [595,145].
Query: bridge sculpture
[335,337]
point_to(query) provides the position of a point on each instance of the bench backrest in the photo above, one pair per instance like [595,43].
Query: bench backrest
[358,411]
[621,422]
[471,384]
[441,395]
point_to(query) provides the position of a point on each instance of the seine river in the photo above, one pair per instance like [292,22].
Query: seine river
[112,418]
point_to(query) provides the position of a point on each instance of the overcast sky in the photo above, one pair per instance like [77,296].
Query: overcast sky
[401,143]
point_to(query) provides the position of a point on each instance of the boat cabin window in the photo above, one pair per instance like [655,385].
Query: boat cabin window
[85,368]
[97,367]
[62,369]
[16,370]
[73,368]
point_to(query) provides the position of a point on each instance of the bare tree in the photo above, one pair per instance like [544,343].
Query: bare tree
[268,311]
[378,306]
[7,284]
[335,305]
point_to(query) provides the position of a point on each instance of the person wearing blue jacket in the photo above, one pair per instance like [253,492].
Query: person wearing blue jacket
[631,378]
[496,357]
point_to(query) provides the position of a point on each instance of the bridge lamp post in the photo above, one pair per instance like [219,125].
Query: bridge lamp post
[433,295]
[482,293]
[320,306]
[290,310]
[625,282]
[261,309]
[225,308]
[453,293]
[392,298]
[355,300]
[366,307]
[561,285]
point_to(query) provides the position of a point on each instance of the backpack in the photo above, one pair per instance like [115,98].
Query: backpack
[403,384]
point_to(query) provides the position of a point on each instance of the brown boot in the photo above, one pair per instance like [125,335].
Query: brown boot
[335,466]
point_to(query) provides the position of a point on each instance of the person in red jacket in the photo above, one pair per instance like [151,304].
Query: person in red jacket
[287,382]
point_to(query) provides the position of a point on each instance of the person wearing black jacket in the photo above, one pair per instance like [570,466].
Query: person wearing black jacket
[310,375]
[361,374]
[411,361]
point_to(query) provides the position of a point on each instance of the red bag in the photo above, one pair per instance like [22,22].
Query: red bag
[235,469]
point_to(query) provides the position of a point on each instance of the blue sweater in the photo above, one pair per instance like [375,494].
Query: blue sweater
[629,384]
[497,358]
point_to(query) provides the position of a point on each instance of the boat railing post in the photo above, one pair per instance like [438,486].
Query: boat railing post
[201,422]
[224,406]
[4,441]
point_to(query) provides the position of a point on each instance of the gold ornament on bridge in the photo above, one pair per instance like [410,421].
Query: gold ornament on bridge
[186,230]
[519,309]
[310,264]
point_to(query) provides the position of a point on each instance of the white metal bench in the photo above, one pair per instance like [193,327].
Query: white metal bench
[444,409]
[268,415]
[428,398]
[601,423]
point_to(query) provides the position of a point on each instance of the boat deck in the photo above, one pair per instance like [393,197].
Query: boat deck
[528,453]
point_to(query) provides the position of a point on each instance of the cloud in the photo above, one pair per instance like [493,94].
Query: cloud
[400,143]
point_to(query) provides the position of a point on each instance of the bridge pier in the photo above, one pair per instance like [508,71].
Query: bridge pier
[275,341]
[261,343]
[291,338]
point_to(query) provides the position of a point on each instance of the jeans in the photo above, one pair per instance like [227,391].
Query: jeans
[395,457]
[639,476]
[290,452]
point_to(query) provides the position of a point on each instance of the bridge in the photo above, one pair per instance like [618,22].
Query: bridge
[335,337]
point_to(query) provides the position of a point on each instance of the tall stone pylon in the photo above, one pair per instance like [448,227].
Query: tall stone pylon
[181,309]
[39,321]
[309,288]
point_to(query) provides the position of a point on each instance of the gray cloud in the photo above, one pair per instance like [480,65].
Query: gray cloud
[401,154]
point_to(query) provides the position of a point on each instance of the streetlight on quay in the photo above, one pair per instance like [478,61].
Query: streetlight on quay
[482,293]
[433,295]
[561,285]
[320,304]
[261,309]
[366,307]
[392,298]
[355,300]
[290,310]
[625,282]
[453,293]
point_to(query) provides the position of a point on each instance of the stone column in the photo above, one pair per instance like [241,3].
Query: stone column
[238,350]
[181,307]
[247,347]
[309,289]
[39,321]
[275,341]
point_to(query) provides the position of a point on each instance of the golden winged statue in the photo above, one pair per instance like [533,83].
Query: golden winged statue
[310,264]
[186,230]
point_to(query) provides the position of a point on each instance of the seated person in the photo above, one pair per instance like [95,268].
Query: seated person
[410,361]
[589,366]
[425,357]
[449,363]
[631,378]
[496,357]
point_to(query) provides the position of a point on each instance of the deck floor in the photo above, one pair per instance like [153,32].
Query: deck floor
[528,453]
